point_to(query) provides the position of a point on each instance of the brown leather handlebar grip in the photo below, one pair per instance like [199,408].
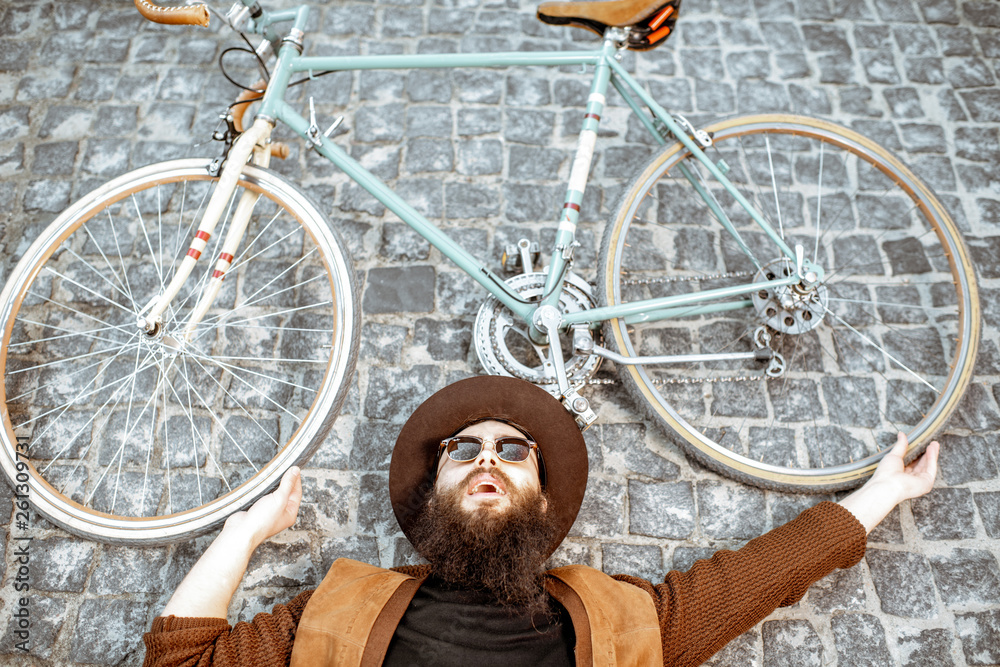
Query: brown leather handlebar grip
[187,15]
[279,149]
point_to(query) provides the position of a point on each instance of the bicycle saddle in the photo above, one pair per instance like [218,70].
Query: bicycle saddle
[648,21]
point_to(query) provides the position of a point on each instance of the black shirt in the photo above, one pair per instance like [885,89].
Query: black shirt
[445,625]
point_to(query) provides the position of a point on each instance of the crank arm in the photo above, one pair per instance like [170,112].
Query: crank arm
[547,320]
[764,354]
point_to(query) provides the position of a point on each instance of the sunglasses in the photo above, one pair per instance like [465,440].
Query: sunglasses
[463,448]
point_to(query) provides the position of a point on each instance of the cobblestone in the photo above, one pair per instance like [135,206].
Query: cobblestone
[903,583]
[860,640]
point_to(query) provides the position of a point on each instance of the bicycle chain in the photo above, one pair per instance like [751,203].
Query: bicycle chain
[681,279]
[659,381]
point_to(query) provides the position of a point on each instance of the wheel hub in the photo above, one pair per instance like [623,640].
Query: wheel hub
[504,347]
[790,309]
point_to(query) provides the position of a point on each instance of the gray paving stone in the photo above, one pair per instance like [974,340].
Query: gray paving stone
[446,341]
[428,86]
[791,644]
[400,243]
[284,565]
[468,200]
[728,510]
[46,617]
[924,70]
[626,452]
[956,523]
[457,294]
[903,583]
[404,289]
[661,509]
[128,570]
[923,138]
[105,629]
[988,503]
[603,511]
[382,342]
[362,548]
[925,648]
[983,104]
[966,459]
[967,577]
[480,157]
[757,96]
[529,126]
[980,634]
[645,561]
[860,640]
[54,158]
[60,564]
[375,517]
[394,393]
[904,102]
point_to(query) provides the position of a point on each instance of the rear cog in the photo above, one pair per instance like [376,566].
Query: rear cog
[502,342]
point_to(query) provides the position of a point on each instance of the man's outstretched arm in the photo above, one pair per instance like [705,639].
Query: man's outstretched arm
[209,586]
[193,628]
[717,599]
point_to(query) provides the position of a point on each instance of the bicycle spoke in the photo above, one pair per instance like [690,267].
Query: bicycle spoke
[149,245]
[90,291]
[233,371]
[99,274]
[819,204]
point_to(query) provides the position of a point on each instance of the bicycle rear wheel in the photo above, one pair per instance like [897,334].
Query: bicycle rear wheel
[142,439]
[885,343]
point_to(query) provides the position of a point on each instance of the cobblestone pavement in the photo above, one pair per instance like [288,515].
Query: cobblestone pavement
[88,91]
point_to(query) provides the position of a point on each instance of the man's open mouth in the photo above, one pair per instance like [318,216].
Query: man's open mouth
[486,484]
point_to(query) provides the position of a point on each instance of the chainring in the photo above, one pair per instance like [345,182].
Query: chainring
[502,342]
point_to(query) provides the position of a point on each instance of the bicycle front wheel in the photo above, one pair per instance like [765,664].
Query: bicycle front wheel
[884,343]
[136,438]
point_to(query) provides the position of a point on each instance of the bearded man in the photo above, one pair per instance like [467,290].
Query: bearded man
[486,479]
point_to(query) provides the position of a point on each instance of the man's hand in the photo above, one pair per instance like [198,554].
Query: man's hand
[892,483]
[208,587]
[271,514]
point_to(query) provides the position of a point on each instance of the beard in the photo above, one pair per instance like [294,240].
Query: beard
[497,552]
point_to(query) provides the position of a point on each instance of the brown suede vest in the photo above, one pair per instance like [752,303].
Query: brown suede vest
[352,616]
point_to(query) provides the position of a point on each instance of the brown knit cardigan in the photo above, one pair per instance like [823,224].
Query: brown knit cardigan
[700,610]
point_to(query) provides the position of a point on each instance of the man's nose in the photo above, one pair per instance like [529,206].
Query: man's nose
[487,455]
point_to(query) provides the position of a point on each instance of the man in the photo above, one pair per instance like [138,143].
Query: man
[486,478]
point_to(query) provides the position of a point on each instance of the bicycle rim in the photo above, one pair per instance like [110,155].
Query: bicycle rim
[890,336]
[144,439]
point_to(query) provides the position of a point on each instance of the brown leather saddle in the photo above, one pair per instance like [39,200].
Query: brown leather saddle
[648,21]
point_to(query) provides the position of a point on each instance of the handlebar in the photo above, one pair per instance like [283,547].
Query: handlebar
[187,15]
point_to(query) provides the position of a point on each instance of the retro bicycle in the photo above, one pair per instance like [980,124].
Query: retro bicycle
[778,292]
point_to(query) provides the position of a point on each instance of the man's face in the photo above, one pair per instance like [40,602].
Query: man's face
[496,481]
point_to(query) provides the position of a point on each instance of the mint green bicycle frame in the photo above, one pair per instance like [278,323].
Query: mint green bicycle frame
[607,70]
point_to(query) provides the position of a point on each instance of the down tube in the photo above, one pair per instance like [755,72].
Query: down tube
[465,261]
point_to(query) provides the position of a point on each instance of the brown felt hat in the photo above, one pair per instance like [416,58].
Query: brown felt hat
[411,472]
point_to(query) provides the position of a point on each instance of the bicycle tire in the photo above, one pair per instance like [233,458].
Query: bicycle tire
[895,342]
[138,439]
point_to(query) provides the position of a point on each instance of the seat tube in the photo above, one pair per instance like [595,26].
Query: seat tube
[566,232]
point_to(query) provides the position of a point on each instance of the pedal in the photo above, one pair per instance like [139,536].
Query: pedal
[580,408]
[520,257]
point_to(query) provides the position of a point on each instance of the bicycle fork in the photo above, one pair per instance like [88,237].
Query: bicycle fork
[251,143]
